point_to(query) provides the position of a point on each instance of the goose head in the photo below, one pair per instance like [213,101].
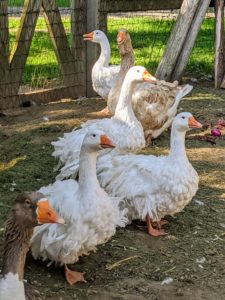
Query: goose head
[31,209]
[124,42]
[140,74]
[96,36]
[97,140]
[185,121]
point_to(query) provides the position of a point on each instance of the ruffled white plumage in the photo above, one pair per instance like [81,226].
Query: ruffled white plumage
[152,185]
[124,129]
[91,217]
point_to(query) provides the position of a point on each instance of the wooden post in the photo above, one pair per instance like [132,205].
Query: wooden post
[177,38]
[190,40]
[91,48]
[4,47]
[219,44]
[78,28]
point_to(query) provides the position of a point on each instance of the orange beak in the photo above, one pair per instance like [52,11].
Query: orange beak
[88,36]
[148,77]
[46,214]
[120,37]
[192,123]
[105,142]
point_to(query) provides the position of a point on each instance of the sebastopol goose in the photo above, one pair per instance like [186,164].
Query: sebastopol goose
[29,210]
[123,128]
[154,105]
[103,75]
[91,216]
[152,186]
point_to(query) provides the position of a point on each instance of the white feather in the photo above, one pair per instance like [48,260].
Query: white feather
[11,287]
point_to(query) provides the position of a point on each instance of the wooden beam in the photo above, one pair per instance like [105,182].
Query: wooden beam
[219,43]
[91,48]
[78,28]
[190,40]
[24,37]
[60,43]
[177,39]
[38,97]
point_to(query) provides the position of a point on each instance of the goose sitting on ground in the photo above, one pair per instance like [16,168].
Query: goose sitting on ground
[91,215]
[153,186]
[123,128]
[28,211]
[103,75]
[154,105]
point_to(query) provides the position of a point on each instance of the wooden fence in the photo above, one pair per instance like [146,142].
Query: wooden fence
[76,61]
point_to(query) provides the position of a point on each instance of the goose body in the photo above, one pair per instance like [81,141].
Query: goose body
[153,186]
[91,215]
[103,75]
[154,105]
[26,213]
[123,128]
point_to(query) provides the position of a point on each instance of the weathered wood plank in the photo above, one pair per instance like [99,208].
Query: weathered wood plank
[92,48]
[190,40]
[4,46]
[60,43]
[78,28]
[38,97]
[24,37]
[219,43]
[177,38]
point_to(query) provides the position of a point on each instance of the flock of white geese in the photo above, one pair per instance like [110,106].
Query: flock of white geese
[114,184]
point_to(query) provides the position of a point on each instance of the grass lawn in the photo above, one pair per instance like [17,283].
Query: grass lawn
[61,3]
[149,37]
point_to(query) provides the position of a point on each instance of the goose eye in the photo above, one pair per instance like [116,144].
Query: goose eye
[94,135]
[183,117]
[138,71]
[27,202]
[96,32]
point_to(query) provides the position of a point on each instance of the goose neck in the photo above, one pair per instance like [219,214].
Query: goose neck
[124,110]
[16,246]
[177,145]
[105,53]
[87,171]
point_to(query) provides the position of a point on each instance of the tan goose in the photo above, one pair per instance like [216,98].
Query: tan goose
[28,211]
[155,105]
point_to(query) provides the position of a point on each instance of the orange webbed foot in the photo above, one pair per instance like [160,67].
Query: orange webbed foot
[72,276]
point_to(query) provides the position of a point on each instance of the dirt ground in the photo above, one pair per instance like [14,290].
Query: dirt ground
[192,254]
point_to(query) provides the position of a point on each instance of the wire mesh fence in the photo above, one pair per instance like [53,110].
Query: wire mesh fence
[42,69]
[150,32]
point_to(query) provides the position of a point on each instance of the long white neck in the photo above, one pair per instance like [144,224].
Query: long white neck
[124,110]
[177,145]
[105,53]
[87,172]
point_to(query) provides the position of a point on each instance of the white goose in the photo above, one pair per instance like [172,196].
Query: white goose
[103,75]
[91,215]
[123,127]
[153,186]
[28,211]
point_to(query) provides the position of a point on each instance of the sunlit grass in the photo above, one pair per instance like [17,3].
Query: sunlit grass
[61,3]
[149,37]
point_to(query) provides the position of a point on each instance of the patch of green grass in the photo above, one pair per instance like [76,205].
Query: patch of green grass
[61,3]
[149,37]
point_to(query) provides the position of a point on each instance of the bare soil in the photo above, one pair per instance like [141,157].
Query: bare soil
[192,254]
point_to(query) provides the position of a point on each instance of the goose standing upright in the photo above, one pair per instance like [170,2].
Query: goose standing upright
[153,186]
[123,128]
[103,75]
[91,215]
[28,211]
[154,105]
